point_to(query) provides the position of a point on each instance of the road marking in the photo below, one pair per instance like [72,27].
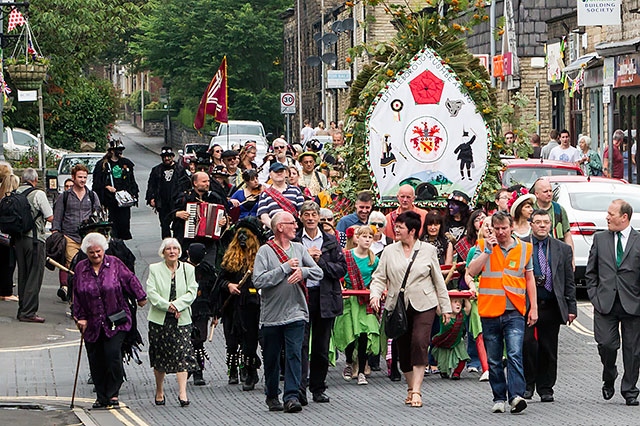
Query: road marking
[65,399]
[135,418]
[41,347]
[120,417]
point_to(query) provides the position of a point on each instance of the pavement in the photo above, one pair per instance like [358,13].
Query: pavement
[39,365]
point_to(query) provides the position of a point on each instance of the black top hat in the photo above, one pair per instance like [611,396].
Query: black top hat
[220,171]
[167,151]
[203,158]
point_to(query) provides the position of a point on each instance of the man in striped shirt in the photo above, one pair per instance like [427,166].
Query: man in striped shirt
[280,196]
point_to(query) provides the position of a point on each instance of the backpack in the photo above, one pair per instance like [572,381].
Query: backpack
[13,221]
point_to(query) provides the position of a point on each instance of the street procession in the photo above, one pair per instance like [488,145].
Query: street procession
[326,212]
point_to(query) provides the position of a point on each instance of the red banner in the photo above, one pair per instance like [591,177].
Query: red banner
[214,99]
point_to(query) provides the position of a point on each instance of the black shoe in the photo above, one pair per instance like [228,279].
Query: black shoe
[546,398]
[302,397]
[528,394]
[184,403]
[243,374]
[62,294]
[99,404]
[114,403]
[198,380]
[233,380]
[274,404]
[632,402]
[608,390]
[395,375]
[163,401]
[320,397]
[292,406]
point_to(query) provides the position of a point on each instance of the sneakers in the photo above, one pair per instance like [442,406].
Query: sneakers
[362,379]
[274,404]
[484,377]
[472,370]
[498,407]
[347,372]
[518,404]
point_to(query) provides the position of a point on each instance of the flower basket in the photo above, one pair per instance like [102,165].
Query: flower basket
[27,76]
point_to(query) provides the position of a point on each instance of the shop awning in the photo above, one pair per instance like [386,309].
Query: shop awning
[614,48]
[586,61]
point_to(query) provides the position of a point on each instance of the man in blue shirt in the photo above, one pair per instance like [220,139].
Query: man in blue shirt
[364,204]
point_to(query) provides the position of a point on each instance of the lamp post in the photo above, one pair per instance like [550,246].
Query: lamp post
[4,38]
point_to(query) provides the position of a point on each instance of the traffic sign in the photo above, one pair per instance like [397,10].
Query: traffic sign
[287,103]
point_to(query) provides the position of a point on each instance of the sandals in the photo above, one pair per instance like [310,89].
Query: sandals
[407,400]
[416,399]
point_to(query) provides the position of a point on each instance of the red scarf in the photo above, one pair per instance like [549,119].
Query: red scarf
[282,201]
[356,279]
[283,258]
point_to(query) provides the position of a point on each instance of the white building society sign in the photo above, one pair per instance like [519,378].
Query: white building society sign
[598,12]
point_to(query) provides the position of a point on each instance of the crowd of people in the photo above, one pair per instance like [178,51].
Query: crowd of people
[294,285]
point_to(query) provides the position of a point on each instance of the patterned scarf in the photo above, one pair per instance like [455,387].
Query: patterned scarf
[450,334]
[462,248]
[282,201]
[283,258]
[356,279]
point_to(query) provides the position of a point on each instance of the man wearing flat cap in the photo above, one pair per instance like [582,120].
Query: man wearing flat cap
[280,196]
[112,174]
[166,182]
[311,178]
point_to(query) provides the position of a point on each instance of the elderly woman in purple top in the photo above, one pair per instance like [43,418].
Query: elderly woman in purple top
[101,281]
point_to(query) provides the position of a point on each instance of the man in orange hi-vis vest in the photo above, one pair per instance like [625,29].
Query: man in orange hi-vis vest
[507,280]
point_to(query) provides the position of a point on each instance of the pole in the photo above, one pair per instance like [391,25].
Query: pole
[142,100]
[492,42]
[288,128]
[323,96]
[43,154]
[299,69]
[538,107]
[2,70]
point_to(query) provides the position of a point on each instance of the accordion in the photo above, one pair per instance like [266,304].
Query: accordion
[204,220]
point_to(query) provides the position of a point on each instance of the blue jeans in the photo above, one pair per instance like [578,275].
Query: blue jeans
[472,350]
[506,329]
[275,337]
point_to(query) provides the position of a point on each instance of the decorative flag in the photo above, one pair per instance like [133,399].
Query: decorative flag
[15,19]
[214,99]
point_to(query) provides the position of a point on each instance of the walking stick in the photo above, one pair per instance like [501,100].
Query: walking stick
[75,380]
[214,323]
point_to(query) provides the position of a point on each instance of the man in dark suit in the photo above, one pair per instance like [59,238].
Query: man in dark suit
[613,284]
[556,294]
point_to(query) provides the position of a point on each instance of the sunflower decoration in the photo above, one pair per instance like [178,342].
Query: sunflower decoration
[445,33]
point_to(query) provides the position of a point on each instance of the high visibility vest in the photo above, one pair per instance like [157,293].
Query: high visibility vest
[503,277]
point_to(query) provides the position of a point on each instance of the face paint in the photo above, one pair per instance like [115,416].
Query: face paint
[242,239]
[454,209]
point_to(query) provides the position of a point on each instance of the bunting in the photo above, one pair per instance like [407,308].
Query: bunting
[15,19]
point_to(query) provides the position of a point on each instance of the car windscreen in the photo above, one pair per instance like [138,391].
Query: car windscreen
[527,175]
[241,129]
[68,163]
[599,201]
[195,148]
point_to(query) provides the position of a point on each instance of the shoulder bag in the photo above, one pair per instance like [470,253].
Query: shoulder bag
[123,197]
[395,322]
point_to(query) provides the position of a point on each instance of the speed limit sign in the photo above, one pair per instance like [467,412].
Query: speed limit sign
[287,103]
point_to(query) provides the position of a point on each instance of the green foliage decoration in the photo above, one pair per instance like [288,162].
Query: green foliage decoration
[446,35]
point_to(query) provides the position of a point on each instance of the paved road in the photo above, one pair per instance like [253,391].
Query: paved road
[39,364]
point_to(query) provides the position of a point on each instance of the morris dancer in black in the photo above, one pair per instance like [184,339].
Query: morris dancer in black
[239,302]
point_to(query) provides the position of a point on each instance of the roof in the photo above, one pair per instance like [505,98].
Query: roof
[613,48]
[586,61]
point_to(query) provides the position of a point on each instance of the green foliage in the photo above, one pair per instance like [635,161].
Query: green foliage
[187,55]
[30,159]
[134,100]
[158,114]
[186,117]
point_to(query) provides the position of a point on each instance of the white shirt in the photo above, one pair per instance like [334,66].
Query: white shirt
[625,237]
[568,155]
[309,242]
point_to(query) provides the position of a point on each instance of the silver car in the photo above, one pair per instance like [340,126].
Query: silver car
[586,202]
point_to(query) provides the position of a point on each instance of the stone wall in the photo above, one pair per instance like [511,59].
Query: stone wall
[154,128]
[180,135]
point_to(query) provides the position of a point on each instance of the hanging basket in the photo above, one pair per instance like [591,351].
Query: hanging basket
[27,76]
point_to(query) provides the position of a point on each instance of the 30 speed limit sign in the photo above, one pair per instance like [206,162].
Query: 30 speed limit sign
[287,103]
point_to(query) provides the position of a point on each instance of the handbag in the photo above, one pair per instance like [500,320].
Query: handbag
[5,239]
[123,197]
[395,322]
[117,319]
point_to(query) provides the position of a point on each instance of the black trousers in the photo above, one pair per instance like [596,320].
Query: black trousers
[7,266]
[316,366]
[31,258]
[250,331]
[607,334]
[540,348]
[105,364]
[121,219]
[165,222]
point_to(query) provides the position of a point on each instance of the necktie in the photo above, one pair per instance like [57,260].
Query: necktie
[544,268]
[619,249]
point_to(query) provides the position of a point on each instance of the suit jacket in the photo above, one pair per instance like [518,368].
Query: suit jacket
[334,266]
[605,280]
[564,286]
[425,287]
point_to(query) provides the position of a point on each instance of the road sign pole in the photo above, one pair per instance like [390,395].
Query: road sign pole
[288,128]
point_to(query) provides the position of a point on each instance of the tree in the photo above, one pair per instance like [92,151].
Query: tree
[183,42]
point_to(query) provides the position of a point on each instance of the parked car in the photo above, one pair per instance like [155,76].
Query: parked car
[56,178]
[525,172]
[16,142]
[238,132]
[586,202]
[191,151]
